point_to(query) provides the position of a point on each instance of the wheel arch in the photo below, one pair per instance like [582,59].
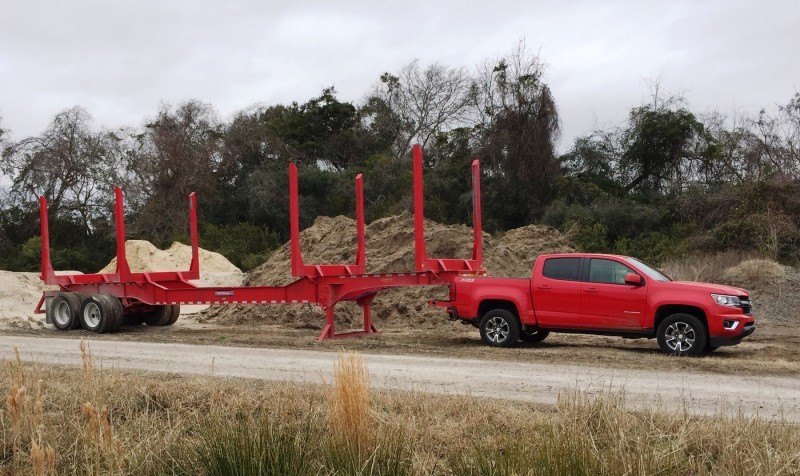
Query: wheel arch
[666,310]
[487,305]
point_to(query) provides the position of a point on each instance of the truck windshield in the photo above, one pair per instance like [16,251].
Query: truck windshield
[649,270]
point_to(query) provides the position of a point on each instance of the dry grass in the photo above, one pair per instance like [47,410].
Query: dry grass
[727,268]
[349,404]
[706,268]
[755,273]
[116,422]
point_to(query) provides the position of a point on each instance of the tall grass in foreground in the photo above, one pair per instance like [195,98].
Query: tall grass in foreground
[61,420]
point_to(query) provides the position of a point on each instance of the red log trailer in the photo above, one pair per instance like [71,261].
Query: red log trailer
[99,302]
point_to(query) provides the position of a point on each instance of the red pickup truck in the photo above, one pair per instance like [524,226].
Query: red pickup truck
[604,295]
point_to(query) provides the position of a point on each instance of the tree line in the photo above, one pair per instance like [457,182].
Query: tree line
[665,182]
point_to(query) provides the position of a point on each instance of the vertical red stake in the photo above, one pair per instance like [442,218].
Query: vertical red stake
[119,214]
[361,251]
[477,231]
[420,254]
[48,275]
[294,221]
[194,267]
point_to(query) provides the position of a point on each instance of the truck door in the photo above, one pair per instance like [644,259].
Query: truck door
[606,301]
[556,292]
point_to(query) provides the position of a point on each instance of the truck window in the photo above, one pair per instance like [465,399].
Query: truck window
[562,268]
[608,271]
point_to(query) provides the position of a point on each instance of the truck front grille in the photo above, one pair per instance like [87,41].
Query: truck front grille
[746,306]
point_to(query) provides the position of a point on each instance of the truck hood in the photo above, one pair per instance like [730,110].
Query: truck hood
[710,287]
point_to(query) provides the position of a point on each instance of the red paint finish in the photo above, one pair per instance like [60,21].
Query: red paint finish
[321,284]
[599,295]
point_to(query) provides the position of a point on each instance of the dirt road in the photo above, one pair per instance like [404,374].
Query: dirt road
[700,393]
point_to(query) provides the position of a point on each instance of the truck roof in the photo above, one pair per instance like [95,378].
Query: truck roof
[582,255]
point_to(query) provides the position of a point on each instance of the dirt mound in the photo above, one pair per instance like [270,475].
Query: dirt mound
[755,273]
[390,249]
[19,294]
[143,256]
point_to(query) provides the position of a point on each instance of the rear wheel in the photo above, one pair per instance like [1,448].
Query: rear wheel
[500,328]
[157,316]
[65,311]
[162,315]
[175,313]
[682,334]
[117,311]
[534,336]
[98,314]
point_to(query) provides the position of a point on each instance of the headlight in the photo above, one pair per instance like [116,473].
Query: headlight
[725,300]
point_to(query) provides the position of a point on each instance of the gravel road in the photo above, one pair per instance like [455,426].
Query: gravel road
[699,393]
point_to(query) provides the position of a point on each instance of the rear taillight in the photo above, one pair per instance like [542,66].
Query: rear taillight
[452,291]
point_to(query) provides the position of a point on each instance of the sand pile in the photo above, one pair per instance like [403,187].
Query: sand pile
[390,248]
[215,269]
[19,294]
[144,256]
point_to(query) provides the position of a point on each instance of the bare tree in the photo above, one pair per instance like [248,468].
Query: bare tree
[423,103]
[69,164]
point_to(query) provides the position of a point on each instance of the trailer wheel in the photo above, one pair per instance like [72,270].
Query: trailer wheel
[157,316]
[162,315]
[534,336]
[97,314]
[500,328]
[115,305]
[66,308]
[175,313]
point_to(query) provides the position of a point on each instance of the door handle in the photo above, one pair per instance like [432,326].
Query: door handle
[591,290]
[544,286]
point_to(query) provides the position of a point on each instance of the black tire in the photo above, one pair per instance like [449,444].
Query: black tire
[500,328]
[65,311]
[175,313]
[158,316]
[97,314]
[534,336]
[117,311]
[682,334]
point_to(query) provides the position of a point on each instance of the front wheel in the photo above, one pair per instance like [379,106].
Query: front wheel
[500,328]
[681,334]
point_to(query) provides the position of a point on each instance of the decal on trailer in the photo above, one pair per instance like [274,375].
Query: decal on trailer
[223,293]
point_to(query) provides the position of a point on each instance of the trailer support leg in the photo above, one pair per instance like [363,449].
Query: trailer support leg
[329,331]
[366,304]
[330,327]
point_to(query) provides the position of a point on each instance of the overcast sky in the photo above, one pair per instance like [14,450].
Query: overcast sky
[121,60]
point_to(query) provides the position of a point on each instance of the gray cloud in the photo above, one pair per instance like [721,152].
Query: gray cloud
[120,60]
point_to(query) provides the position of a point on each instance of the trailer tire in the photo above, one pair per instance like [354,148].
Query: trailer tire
[175,313]
[158,316]
[97,314]
[117,311]
[66,309]
[500,328]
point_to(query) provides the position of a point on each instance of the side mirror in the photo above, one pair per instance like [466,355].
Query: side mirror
[633,279]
